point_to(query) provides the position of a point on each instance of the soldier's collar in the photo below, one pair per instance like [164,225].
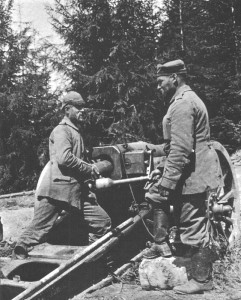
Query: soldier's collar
[180,92]
[66,121]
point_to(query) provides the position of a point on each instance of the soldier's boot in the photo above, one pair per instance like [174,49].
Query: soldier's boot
[201,272]
[160,231]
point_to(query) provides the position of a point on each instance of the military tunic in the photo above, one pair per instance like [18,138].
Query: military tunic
[191,169]
[67,171]
[62,188]
[192,163]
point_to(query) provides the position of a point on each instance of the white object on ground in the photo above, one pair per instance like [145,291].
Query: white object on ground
[161,273]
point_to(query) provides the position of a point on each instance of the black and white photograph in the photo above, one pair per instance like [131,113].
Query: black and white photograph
[120,149]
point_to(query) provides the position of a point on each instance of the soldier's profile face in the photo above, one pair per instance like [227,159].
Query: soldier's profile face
[75,114]
[165,86]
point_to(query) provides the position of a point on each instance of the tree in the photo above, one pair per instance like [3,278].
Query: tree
[110,58]
[208,43]
[24,98]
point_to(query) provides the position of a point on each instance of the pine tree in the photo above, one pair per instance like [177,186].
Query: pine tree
[110,58]
[24,98]
[207,40]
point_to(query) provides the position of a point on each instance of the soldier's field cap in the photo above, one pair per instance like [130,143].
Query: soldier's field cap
[72,98]
[171,67]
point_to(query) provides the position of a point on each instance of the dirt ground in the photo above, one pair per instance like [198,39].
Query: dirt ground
[16,213]
[134,292]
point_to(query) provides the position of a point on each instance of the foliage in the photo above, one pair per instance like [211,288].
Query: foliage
[24,98]
[205,34]
[109,55]
[112,46]
[227,271]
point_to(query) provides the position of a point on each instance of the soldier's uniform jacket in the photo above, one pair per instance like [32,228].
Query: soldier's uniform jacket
[66,170]
[192,163]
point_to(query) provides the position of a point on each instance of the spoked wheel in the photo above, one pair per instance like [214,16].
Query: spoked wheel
[224,206]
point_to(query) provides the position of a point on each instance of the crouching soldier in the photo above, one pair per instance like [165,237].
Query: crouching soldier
[62,187]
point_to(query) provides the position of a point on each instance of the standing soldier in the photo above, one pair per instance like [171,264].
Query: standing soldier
[191,172]
[62,186]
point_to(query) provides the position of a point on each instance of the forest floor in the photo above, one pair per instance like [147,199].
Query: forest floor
[16,214]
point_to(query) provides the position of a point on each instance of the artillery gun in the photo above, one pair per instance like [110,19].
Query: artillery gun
[62,271]
[139,159]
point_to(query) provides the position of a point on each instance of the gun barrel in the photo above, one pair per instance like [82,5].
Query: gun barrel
[103,183]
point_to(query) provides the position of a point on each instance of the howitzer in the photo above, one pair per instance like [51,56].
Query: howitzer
[126,164]
[128,160]
[135,160]
[52,270]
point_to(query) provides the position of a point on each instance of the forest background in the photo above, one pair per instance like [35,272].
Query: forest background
[109,54]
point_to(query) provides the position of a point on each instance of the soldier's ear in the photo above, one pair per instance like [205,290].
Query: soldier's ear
[174,76]
[66,108]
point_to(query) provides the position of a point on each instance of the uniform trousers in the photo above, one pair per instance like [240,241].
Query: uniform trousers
[189,215]
[46,212]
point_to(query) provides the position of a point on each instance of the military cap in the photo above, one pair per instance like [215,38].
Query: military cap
[174,66]
[72,98]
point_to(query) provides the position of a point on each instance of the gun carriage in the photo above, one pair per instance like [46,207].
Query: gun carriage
[136,160]
[124,169]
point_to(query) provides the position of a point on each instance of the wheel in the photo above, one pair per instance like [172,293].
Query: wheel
[224,206]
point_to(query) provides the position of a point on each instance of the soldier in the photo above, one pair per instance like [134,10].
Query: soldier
[62,186]
[190,172]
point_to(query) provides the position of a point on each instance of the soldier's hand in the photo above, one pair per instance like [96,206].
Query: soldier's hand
[95,174]
[163,191]
[155,174]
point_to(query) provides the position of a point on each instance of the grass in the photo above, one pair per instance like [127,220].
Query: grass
[131,276]
[227,271]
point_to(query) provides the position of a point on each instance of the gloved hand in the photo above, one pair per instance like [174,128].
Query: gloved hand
[163,191]
[155,175]
[95,174]
[153,178]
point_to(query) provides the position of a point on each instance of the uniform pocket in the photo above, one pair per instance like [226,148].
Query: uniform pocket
[57,174]
[62,178]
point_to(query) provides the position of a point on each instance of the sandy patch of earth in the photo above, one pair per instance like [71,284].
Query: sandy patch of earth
[16,214]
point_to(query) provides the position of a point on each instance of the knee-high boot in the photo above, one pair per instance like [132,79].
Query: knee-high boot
[201,272]
[160,231]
